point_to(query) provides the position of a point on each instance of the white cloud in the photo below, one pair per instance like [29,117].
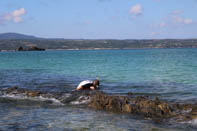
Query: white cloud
[19,12]
[177,12]
[176,18]
[153,33]
[18,19]
[162,24]
[188,21]
[15,16]
[136,10]
[181,20]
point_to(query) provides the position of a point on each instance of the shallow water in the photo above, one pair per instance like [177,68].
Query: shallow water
[168,73]
[40,117]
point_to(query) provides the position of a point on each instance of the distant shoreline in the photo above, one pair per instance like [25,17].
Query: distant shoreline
[48,44]
[98,49]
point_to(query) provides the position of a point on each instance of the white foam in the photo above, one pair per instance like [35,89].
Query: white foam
[23,96]
[194,122]
[38,98]
[14,96]
[81,100]
[186,111]
[56,101]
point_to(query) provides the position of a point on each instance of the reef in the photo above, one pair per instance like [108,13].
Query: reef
[155,109]
[145,106]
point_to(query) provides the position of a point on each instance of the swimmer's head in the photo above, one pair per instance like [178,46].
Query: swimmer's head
[96,83]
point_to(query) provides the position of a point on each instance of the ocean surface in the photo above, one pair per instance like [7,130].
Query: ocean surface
[170,74]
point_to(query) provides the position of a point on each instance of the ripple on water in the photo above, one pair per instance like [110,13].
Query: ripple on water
[73,119]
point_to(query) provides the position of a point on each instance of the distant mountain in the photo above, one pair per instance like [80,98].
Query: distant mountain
[16,36]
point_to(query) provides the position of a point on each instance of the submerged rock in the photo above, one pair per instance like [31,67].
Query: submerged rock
[193,113]
[10,90]
[33,93]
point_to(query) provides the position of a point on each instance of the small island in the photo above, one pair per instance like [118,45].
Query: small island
[32,48]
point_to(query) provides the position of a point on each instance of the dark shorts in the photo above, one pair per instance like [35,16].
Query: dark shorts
[87,86]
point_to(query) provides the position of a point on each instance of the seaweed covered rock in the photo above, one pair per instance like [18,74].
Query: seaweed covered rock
[139,105]
[153,108]
[16,90]
[11,90]
[33,93]
[111,103]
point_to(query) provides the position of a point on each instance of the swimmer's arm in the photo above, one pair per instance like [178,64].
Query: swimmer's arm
[79,88]
[92,88]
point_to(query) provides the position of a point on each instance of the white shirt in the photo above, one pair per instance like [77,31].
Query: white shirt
[84,83]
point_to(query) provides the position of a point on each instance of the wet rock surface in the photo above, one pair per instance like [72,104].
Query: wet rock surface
[155,109]
[138,105]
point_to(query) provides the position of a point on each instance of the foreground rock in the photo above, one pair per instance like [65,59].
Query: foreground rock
[157,110]
[140,105]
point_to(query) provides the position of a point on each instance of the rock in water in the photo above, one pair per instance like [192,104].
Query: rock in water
[33,93]
[32,48]
[156,109]
[139,105]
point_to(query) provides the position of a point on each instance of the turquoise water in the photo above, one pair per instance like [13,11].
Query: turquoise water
[167,73]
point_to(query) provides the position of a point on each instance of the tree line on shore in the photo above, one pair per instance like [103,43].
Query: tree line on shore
[41,44]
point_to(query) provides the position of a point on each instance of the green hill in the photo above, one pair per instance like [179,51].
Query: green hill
[12,41]
[16,36]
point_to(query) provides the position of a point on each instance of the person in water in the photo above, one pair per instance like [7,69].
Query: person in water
[88,85]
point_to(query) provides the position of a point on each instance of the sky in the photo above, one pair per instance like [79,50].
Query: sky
[100,19]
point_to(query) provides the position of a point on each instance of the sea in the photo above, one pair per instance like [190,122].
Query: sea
[169,74]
